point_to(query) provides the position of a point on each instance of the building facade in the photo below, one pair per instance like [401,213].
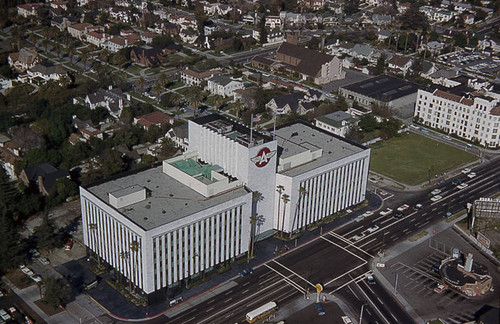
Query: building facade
[173,222]
[474,118]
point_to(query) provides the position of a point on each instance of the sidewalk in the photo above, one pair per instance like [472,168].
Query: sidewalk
[119,308]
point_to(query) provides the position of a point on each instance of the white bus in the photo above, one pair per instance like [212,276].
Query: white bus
[261,312]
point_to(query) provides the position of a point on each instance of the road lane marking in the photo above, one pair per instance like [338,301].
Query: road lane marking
[338,277]
[287,279]
[349,282]
[412,220]
[189,320]
[208,310]
[385,221]
[295,273]
[354,230]
[350,243]
[228,300]
[368,242]
[245,291]
[343,248]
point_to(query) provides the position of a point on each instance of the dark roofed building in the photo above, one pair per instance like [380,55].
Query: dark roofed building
[285,104]
[310,64]
[383,90]
[147,56]
[156,118]
[43,175]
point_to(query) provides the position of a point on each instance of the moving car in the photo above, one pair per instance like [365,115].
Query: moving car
[436,191]
[456,182]
[245,272]
[471,175]
[372,229]
[368,213]
[466,170]
[370,279]
[403,208]
[357,237]
[4,315]
[436,198]
[346,320]
[446,137]
[386,212]
[175,301]
[418,206]
[462,186]
[398,214]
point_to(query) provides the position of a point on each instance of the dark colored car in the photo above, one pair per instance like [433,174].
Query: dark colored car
[245,272]
[456,182]
[398,215]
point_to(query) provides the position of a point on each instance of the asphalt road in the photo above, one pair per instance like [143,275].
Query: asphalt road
[339,262]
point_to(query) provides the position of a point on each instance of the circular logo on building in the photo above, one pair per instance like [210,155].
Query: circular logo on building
[263,157]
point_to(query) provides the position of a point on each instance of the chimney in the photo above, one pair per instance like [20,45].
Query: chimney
[468,263]
[292,38]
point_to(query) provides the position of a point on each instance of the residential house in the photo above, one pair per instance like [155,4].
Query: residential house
[445,78]
[27,10]
[312,4]
[284,104]
[427,69]
[192,77]
[80,30]
[111,99]
[400,64]
[61,22]
[25,59]
[273,22]
[361,51]
[63,5]
[86,129]
[117,43]
[147,37]
[381,20]
[147,56]
[44,176]
[437,15]
[383,34]
[179,135]
[433,47]
[44,72]
[337,123]
[292,18]
[188,36]
[157,118]
[223,86]
[309,64]
[7,157]
[98,39]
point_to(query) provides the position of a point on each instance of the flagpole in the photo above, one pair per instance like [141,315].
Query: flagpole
[274,128]
[251,130]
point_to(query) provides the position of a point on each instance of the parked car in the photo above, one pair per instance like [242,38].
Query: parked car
[446,137]
[440,288]
[68,245]
[36,278]
[356,238]
[359,218]
[34,253]
[471,175]
[26,270]
[4,315]
[44,261]
[175,301]
[386,212]
[436,266]
[435,192]
[346,320]
[436,198]
[370,279]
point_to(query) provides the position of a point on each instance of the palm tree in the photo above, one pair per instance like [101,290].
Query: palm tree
[57,49]
[280,190]
[32,38]
[126,256]
[134,247]
[238,107]
[285,199]
[105,55]
[83,57]
[163,79]
[302,193]
[217,102]
[141,83]
[253,222]
[195,97]
[93,228]
[157,89]
[71,51]
[45,44]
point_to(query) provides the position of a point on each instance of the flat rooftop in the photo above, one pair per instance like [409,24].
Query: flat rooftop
[232,129]
[301,137]
[383,88]
[167,198]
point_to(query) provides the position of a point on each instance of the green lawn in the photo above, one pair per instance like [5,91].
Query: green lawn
[410,158]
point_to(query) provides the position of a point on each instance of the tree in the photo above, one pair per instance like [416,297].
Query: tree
[414,19]
[162,42]
[83,57]
[380,67]
[163,79]
[302,193]
[481,15]
[286,199]
[105,55]
[201,19]
[134,248]
[194,97]
[239,108]
[45,44]
[46,234]
[351,7]
[57,49]
[368,123]
[218,102]
[279,189]
[262,30]
[8,192]
[256,197]
[354,134]
[71,51]
[56,291]
[11,247]
[141,82]
[158,89]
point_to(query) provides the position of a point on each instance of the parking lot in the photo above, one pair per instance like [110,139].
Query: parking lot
[416,276]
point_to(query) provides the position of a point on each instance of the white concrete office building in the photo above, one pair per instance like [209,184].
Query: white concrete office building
[474,118]
[170,222]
